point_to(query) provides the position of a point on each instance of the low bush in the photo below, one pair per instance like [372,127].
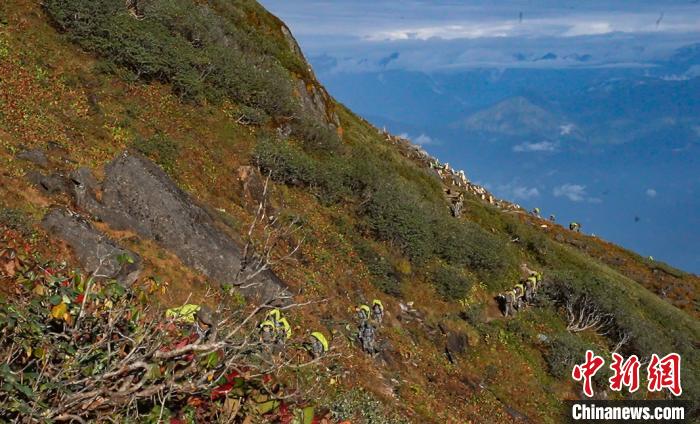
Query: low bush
[203,54]
[564,350]
[401,218]
[292,165]
[286,163]
[161,148]
[253,116]
[384,275]
[15,220]
[315,135]
[359,405]
[450,282]
[467,244]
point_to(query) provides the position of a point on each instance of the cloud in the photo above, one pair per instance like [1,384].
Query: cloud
[566,129]
[525,193]
[424,35]
[542,146]
[421,140]
[651,192]
[575,193]
[516,191]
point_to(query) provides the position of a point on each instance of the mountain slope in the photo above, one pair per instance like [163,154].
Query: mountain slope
[82,82]
[515,117]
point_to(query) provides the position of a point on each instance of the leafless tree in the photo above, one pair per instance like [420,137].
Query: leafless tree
[583,314]
[146,364]
[264,238]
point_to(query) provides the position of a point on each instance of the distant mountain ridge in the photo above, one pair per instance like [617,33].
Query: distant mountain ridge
[517,116]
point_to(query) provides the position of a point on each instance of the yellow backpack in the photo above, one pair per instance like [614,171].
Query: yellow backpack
[185,313]
[321,338]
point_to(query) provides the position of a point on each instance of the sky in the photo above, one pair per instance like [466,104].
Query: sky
[422,67]
[449,35]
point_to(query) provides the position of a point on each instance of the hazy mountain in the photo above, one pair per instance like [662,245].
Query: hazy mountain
[518,117]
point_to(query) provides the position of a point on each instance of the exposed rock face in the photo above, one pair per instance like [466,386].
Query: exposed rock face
[83,187]
[35,156]
[95,251]
[139,196]
[50,184]
[314,99]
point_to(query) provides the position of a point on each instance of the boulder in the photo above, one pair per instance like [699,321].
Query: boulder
[138,196]
[49,184]
[96,252]
[456,343]
[34,156]
[83,186]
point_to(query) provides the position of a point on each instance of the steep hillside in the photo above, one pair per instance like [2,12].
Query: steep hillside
[185,150]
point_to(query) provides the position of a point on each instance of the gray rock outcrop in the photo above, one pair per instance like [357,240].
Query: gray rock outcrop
[34,156]
[96,252]
[137,195]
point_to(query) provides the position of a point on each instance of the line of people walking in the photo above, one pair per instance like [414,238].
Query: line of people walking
[523,294]
[275,330]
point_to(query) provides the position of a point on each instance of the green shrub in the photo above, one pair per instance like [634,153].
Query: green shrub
[528,236]
[385,276]
[564,350]
[474,313]
[450,282]
[253,116]
[203,54]
[286,163]
[357,405]
[401,218]
[16,220]
[161,148]
[466,243]
[314,134]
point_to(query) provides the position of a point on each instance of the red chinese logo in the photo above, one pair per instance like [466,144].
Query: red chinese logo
[665,373]
[626,373]
[662,373]
[587,370]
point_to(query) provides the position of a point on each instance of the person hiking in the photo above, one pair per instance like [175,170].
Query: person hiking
[366,335]
[283,332]
[530,288]
[205,324]
[267,332]
[457,205]
[319,344]
[519,293]
[363,313]
[536,212]
[377,310]
[552,218]
[507,301]
[273,315]
[575,226]
[525,271]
